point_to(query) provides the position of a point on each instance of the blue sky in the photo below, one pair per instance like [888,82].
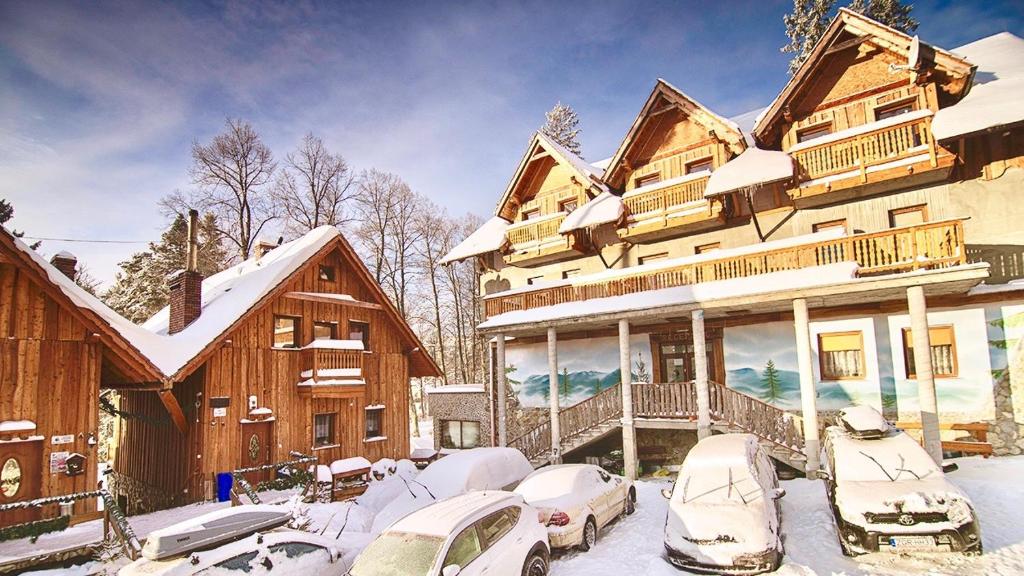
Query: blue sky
[99,103]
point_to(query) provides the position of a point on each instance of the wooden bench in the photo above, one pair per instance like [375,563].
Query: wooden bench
[422,457]
[978,444]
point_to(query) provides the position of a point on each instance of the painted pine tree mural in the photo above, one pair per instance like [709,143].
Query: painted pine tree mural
[772,385]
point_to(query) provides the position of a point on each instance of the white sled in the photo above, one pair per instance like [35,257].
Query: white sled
[213,528]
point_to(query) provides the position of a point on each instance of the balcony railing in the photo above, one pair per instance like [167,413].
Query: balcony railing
[663,199]
[930,245]
[857,153]
[314,360]
[534,232]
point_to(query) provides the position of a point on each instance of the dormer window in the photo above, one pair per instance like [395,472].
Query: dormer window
[647,180]
[567,205]
[531,214]
[700,165]
[327,273]
[813,132]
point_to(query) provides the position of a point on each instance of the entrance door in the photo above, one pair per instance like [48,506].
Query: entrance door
[256,444]
[673,355]
[677,362]
[20,478]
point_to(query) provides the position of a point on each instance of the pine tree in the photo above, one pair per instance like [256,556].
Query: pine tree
[562,126]
[770,379]
[641,369]
[810,18]
[6,213]
[565,382]
[140,288]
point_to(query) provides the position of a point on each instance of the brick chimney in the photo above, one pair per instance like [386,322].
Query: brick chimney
[66,263]
[264,246]
[186,286]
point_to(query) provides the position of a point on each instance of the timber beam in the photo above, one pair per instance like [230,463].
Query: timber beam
[173,408]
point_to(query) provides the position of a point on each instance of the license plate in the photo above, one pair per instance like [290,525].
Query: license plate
[905,542]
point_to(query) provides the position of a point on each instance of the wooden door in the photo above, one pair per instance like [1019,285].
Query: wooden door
[256,449]
[20,478]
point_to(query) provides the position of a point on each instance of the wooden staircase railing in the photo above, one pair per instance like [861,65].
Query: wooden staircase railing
[573,421]
[756,417]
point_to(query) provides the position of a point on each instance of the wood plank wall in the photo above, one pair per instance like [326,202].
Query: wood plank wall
[49,374]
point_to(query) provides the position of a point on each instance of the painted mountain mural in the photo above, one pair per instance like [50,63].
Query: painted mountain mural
[785,394]
[573,387]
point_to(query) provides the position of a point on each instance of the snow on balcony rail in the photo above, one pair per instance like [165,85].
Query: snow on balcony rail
[606,208]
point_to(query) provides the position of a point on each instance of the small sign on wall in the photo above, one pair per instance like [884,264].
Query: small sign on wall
[58,462]
[64,439]
[220,412]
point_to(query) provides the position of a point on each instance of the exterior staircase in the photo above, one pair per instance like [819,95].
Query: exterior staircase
[672,405]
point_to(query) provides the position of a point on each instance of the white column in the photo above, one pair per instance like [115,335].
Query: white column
[628,432]
[499,372]
[808,400]
[700,365]
[556,431]
[926,400]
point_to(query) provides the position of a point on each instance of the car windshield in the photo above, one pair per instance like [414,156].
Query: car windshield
[894,458]
[718,486]
[398,554]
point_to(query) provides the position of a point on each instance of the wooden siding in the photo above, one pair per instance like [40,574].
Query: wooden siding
[49,374]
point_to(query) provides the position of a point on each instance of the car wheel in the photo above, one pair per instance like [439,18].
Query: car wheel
[536,565]
[589,534]
[630,502]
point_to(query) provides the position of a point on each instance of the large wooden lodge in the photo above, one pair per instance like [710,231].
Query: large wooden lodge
[858,241]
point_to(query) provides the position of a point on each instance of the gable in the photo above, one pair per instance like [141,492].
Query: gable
[547,175]
[669,123]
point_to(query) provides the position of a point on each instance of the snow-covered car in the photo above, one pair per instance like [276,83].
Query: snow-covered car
[887,494]
[724,513]
[488,532]
[577,500]
[282,551]
[464,471]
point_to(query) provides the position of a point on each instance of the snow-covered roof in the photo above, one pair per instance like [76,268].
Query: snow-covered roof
[569,156]
[746,122]
[997,96]
[487,238]
[227,295]
[814,276]
[754,166]
[602,164]
[707,110]
[606,208]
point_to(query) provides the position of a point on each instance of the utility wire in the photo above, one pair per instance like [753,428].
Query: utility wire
[88,241]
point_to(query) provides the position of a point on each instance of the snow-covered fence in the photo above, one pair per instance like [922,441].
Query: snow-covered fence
[298,462]
[113,518]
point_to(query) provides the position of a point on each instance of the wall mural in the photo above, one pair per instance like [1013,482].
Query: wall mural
[585,367]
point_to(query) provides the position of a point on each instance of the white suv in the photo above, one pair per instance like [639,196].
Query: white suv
[490,532]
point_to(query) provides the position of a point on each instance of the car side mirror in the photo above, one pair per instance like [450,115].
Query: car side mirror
[666,493]
[823,475]
[451,570]
[777,493]
[950,467]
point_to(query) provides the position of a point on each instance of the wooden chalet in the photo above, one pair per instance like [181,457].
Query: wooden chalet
[295,349]
[57,349]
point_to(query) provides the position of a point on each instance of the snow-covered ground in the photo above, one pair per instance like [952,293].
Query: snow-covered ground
[633,545]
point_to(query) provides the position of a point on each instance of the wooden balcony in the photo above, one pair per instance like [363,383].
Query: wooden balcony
[331,373]
[533,242]
[897,155]
[930,245]
[670,209]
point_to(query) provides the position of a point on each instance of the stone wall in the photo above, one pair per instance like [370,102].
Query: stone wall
[471,406]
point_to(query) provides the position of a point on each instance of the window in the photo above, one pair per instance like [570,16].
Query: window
[908,216]
[700,165]
[943,352]
[570,273]
[323,429]
[531,214]
[464,549]
[325,330]
[460,434]
[705,248]
[374,422]
[327,273]
[840,223]
[497,525]
[647,180]
[885,112]
[841,355]
[813,132]
[653,258]
[534,280]
[567,205]
[286,332]
[359,331]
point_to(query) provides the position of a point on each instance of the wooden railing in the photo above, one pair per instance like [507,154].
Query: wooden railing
[549,201]
[535,442]
[670,400]
[756,417]
[929,245]
[859,152]
[316,359]
[597,409]
[534,232]
[661,199]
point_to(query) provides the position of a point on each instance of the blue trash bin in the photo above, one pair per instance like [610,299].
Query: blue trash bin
[224,482]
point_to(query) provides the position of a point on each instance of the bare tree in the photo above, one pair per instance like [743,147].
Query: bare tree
[434,229]
[375,207]
[232,173]
[400,265]
[314,187]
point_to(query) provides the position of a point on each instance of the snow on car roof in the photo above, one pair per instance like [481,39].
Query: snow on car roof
[476,469]
[551,481]
[444,517]
[722,450]
[890,458]
[863,419]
